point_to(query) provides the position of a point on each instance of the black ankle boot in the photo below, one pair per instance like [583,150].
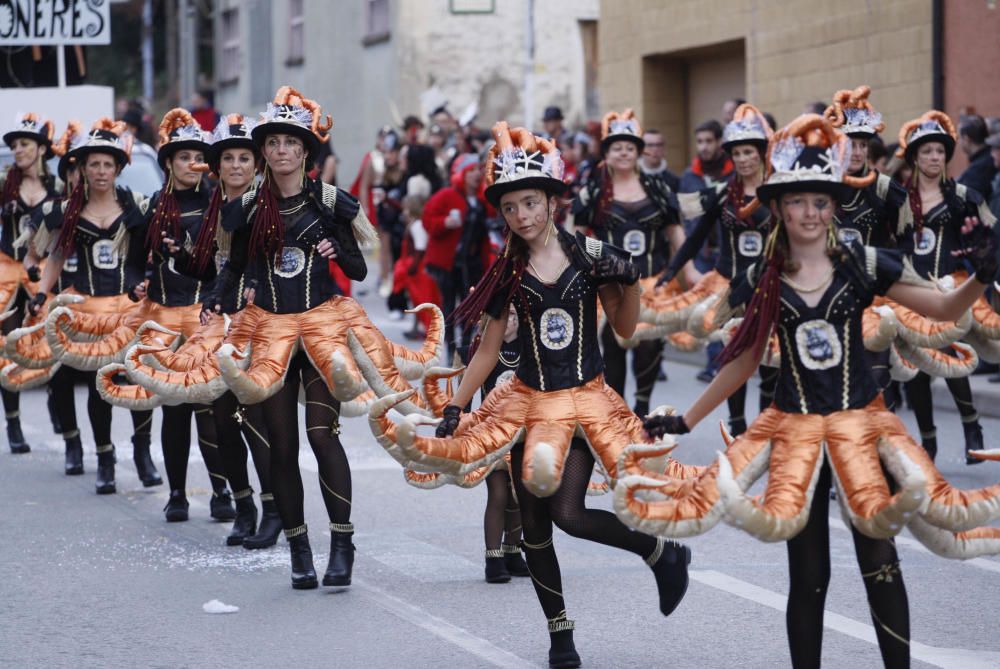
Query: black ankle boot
[144,466]
[74,455]
[53,416]
[246,520]
[221,505]
[562,652]
[338,570]
[973,441]
[737,426]
[269,528]
[15,437]
[496,568]
[514,560]
[176,510]
[303,572]
[669,563]
[105,483]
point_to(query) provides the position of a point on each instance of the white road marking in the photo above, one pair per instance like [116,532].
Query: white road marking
[981,563]
[947,658]
[441,628]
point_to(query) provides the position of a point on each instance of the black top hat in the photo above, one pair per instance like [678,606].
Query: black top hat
[106,136]
[747,127]
[234,132]
[807,156]
[29,126]
[520,161]
[552,113]
[179,131]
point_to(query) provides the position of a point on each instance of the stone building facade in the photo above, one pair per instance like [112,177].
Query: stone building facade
[676,62]
[368,61]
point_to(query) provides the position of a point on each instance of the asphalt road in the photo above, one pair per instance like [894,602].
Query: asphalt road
[89,581]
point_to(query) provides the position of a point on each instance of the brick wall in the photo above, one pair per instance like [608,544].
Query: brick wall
[795,53]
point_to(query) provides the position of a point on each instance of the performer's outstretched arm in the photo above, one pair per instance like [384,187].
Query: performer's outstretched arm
[732,375]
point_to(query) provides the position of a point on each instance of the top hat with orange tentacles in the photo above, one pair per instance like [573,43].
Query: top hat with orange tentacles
[624,126]
[932,126]
[292,114]
[105,136]
[30,126]
[747,127]
[179,131]
[233,132]
[64,146]
[853,114]
[519,160]
[809,155]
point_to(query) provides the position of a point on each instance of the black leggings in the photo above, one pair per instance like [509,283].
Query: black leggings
[646,358]
[502,519]
[12,400]
[234,424]
[176,437]
[919,393]
[323,431]
[566,509]
[64,404]
[809,576]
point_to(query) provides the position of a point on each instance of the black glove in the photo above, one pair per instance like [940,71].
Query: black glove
[665,278]
[34,274]
[612,269]
[449,421]
[35,305]
[657,426]
[981,252]
[336,248]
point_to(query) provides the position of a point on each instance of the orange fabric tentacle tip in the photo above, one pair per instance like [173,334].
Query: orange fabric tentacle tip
[990,454]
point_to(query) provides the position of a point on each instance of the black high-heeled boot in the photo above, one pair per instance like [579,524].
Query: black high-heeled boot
[105,483]
[496,569]
[246,518]
[15,437]
[176,510]
[74,454]
[669,563]
[562,651]
[303,572]
[144,466]
[221,506]
[973,441]
[341,564]
[514,560]
[269,528]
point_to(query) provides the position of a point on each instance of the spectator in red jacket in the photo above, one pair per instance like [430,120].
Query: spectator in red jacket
[451,211]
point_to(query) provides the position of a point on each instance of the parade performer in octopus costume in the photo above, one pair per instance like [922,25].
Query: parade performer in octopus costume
[232,156]
[174,300]
[871,213]
[929,229]
[744,225]
[295,332]
[558,391]
[828,422]
[87,238]
[25,187]
[637,212]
